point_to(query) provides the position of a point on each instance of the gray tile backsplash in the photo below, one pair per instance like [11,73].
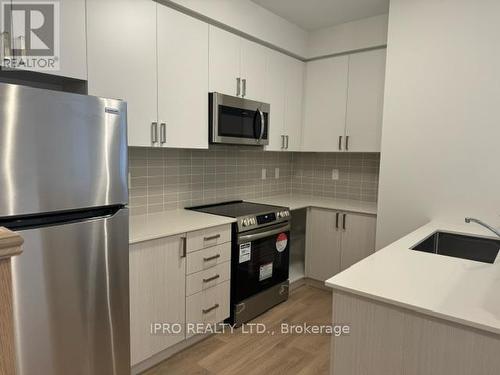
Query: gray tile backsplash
[168,179]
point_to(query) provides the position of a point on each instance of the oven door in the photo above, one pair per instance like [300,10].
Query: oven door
[260,260]
[238,121]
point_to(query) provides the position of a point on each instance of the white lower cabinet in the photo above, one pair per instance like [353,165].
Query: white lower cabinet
[169,284]
[157,293]
[209,306]
[336,240]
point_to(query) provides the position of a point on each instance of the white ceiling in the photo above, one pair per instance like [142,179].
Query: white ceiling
[316,14]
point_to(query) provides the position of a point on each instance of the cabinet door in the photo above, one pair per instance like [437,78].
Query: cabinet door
[323,244]
[358,239]
[275,96]
[121,37]
[182,79]
[73,62]
[72,39]
[325,104]
[224,61]
[294,103]
[253,70]
[365,100]
[157,294]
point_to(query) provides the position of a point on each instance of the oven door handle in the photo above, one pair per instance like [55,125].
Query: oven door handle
[259,235]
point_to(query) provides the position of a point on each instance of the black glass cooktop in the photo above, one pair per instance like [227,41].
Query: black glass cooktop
[235,209]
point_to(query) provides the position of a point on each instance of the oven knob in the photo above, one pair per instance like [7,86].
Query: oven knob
[253,221]
[246,222]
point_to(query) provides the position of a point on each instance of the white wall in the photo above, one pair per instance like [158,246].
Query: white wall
[365,33]
[254,20]
[441,131]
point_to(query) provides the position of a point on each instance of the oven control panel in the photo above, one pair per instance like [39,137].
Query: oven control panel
[252,222]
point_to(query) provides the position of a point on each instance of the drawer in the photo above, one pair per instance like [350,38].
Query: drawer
[207,258]
[209,306]
[201,239]
[203,280]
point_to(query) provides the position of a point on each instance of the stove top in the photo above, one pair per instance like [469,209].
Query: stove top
[249,215]
[235,208]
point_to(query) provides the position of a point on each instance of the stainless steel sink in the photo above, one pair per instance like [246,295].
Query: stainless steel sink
[479,249]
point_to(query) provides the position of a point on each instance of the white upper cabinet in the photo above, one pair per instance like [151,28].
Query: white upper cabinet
[73,62]
[325,104]
[121,38]
[237,66]
[72,39]
[365,100]
[253,70]
[182,80]
[284,91]
[294,104]
[275,96]
[225,62]
[344,103]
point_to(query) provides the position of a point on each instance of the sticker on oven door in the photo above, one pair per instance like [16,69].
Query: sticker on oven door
[266,271]
[281,242]
[245,252]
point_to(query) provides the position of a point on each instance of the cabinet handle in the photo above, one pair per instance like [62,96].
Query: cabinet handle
[337,215]
[154,132]
[238,86]
[347,143]
[211,238]
[340,142]
[244,81]
[206,311]
[286,137]
[282,142]
[211,279]
[184,247]
[211,258]
[163,133]
[344,221]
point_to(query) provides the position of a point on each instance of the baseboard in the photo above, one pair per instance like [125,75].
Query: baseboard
[316,284]
[167,353]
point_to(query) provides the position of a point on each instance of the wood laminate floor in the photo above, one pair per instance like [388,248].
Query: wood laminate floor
[263,354]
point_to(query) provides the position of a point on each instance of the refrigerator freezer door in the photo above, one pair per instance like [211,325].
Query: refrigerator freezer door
[60,151]
[71,299]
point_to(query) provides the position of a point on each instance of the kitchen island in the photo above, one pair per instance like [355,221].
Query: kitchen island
[412,312]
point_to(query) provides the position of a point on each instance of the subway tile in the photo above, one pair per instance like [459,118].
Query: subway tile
[168,179]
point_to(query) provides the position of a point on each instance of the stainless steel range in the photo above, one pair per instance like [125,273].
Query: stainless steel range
[259,258]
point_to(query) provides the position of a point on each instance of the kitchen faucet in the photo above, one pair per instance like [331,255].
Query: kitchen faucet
[482,223]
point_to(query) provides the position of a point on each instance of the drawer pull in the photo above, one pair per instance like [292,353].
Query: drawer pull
[211,258]
[211,279]
[206,311]
[217,236]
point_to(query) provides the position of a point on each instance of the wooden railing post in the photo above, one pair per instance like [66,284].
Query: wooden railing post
[10,245]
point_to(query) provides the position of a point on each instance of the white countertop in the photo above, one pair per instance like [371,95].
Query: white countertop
[295,202]
[454,289]
[169,223]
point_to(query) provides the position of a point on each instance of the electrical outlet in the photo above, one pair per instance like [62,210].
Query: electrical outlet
[276,173]
[335,174]
[264,173]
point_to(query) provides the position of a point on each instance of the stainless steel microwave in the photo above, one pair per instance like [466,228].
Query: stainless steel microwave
[239,121]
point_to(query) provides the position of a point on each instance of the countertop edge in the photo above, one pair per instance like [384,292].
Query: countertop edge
[224,221]
[10,243]
[414,308]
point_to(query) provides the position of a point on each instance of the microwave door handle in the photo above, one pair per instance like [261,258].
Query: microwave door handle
[262,123]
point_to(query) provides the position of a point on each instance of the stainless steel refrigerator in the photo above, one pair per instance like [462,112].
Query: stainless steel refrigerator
[63,187]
